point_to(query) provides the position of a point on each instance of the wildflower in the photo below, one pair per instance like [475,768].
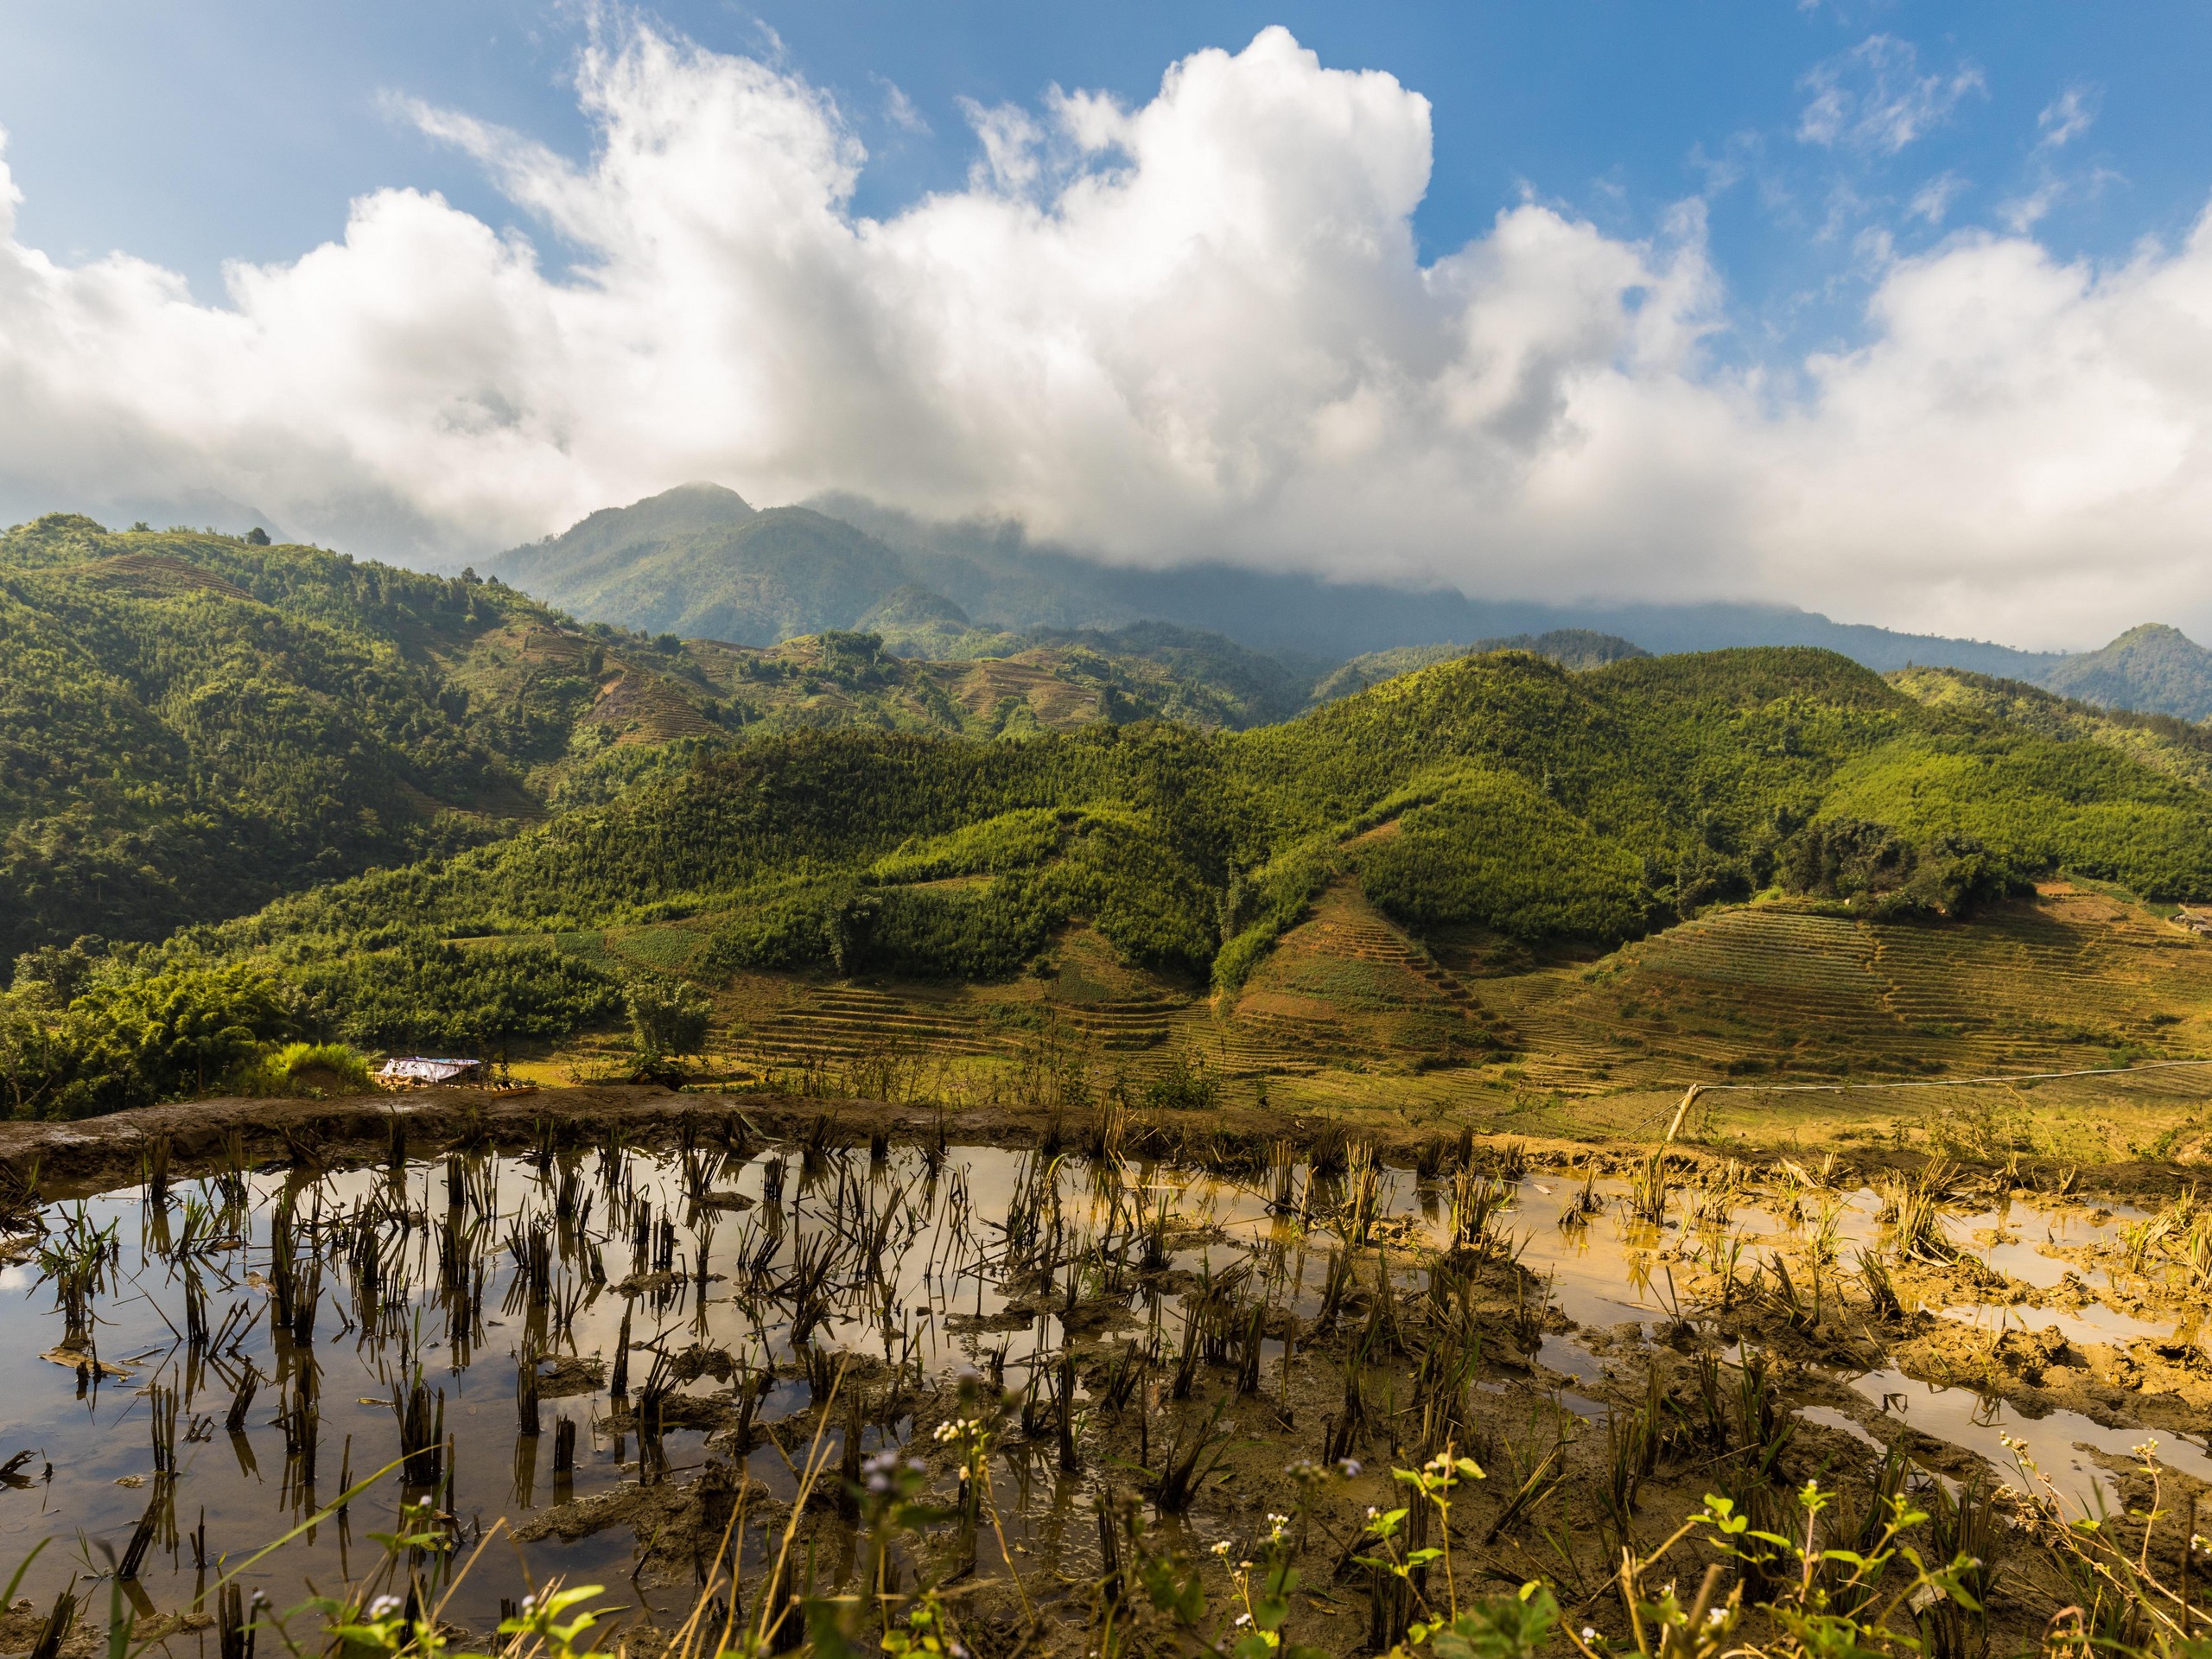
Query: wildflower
[1348,1467]
[1373,1514]
[1243,1619]
[1589,1632]
[1222,1548]
[384,1607]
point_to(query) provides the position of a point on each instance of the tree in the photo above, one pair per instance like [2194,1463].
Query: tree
[668,1017]
[257,536]
[51,975]
[137,1041]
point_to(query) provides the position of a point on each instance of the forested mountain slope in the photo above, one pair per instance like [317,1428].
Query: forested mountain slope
[1498,792]
[2153,668]
[2165,743]
[192,724]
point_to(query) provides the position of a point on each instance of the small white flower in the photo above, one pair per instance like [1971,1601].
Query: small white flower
[384,1607]
[1348,1466]
[1222,1548]
[1589,1632]
[1243,1619]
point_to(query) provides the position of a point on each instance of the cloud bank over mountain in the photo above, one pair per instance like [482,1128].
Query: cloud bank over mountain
[1198,328]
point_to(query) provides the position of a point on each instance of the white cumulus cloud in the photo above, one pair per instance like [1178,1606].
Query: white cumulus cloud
[1200,327]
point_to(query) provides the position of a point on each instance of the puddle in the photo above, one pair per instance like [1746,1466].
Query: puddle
[1570,1359]
[1978,1423]
[2094,1323]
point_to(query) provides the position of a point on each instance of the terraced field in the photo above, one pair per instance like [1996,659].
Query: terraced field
[1347,985]
[2073,978]
[1761,995]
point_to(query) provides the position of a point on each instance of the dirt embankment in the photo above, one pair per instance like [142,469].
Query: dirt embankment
[91,1152]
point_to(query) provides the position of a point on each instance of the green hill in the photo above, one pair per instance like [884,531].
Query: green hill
[698,560]
[1568,647]
[2163,742]
[2153,668]
[1498,792]
[191,724]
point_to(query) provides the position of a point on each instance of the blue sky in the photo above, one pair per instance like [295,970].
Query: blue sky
[1896,310]
[192,136]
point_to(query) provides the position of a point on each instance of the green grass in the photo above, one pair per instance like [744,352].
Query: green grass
[656,947]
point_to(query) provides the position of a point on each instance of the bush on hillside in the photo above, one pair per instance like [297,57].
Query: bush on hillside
[132,1041]
[422,992]
[307,1069]
[1875,869]
[1493,850]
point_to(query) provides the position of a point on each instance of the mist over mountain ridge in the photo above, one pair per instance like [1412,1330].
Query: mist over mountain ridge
[701,561]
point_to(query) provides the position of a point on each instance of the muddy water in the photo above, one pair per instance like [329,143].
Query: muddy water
[924,1291]
[1603,1278]
[939,1306]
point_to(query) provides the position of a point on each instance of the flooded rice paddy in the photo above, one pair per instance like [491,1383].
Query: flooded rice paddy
[625,1353]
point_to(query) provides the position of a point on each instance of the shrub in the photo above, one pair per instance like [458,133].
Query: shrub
[135,1041]
[308,1069]
[1875,868]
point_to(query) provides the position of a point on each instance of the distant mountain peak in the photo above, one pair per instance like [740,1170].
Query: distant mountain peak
[910,606]
[701,494]
[2154,632]
[2153,668]
[686,509]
